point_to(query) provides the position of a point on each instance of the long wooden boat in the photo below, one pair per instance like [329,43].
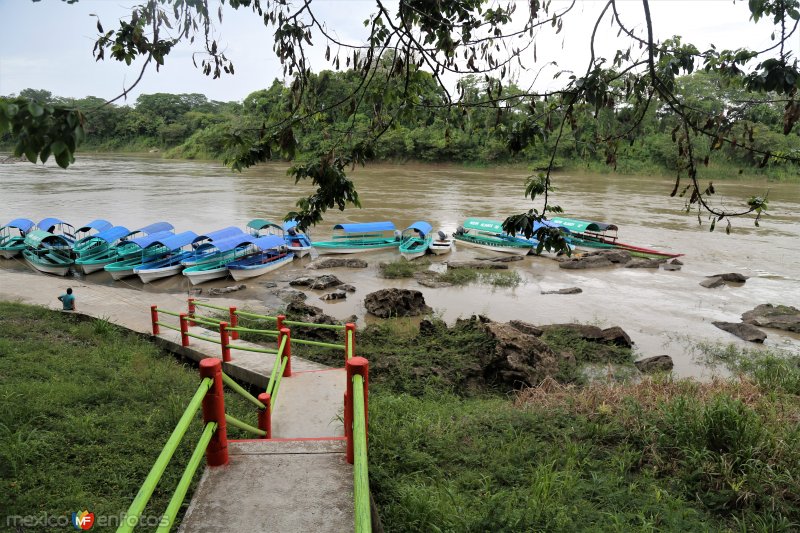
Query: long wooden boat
[441,244]
[590,234]
[358,238]
[170,264]
[48,252]
[126,264]
[415,240]
[489,235]
[271,254]
[12,237]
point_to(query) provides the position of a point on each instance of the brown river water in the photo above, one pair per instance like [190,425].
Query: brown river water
[660,310]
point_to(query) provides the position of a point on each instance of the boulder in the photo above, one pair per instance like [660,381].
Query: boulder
[525,327]
[744,331]
[587,261]
[782,317]
[269,284]
[347,288]
[337,262]
[641,262]
[501,259]
[303,281]
[615,256]
[613,335]
[676,261]
[616,335]
[426,328]
[477,264]
[712,283]
[659,363]
[336,295]
[518,358]
[733,277]
[290,295]
[325,281]
[303,312]
[670,266]
[393,302]
[225,290]
[570,290]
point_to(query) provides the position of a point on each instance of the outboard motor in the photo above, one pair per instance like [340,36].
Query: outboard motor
[292,232]
[442,235]
[398,235]
[460,230]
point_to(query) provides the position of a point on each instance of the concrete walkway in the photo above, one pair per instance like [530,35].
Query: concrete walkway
[285,484]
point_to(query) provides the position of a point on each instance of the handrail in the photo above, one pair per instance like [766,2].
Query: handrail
[272,332]
[318,343]
[244,426]
[171,313]
[201,337]
[186,479]
[349,343]
[229,381]
[249,349]
[274,393]
[275,366]
[254,315]
[203,320]
[312,325]
[360,468]
[167,325]
[153,477]
[218,308]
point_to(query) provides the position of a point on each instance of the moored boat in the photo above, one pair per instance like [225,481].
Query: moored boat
[590,234]
[170,264]
[126,264]
[357,238]
[298,242]
[96,251]
[204,245]
[272,254]
[489,235]
[48,252]
[415,240]
[216,265]
[12,237]
[441,244]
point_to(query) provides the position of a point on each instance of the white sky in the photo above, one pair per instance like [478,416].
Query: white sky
[48,44]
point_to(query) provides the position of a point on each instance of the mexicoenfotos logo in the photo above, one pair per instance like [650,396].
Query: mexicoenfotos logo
[83,520]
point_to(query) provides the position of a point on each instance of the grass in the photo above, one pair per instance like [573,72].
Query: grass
[497,278]
[85,409]
[402,268]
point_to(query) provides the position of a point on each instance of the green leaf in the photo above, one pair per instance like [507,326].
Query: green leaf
[63,159]
[30,153]
[35,109]
[58,148]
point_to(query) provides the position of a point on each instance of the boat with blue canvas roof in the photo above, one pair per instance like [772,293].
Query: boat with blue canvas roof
[96,251]
[48,252]
[296,241]
[272,253]
[415,240]
[205,249]
[224,251]
[56,226]
[138,252]
[180,248]
[12,236]
[357,238]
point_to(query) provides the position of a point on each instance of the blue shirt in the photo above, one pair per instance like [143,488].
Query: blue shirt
[69,302]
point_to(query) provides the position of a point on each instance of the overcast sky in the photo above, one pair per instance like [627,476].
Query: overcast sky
[48,45]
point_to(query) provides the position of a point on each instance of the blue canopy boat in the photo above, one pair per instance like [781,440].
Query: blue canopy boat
[356,238]
[97,226]
[143,253]
[415,240]
[272,253]
[216,264]
[96,251]
[56,226]
[12,236]
[296,241]
[170,264]
[48,252]
[204,245]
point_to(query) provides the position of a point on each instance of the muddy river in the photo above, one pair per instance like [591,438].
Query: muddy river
[660,310]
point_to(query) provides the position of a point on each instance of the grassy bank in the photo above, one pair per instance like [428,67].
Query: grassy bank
[85,409]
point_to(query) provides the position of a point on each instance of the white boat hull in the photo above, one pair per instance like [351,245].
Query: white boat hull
[409,256]
[152,274]
[93,267]
[299,251]
[47,269]
[514,250]
[441,247]
[119,274]
[9,254]
[206,275]
[240,274]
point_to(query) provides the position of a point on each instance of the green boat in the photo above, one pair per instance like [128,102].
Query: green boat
[356,238]
[12,237]
[415,240]
[489,235]
[221,253]
[590,234]
[144,253]
[48,253]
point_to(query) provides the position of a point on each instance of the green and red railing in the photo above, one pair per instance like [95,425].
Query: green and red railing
[213,442]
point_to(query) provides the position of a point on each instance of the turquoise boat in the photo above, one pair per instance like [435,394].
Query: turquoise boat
[170,264]
[489,235]
[226,251]
[357,238]
[95,252]
[125,265]
[415,240]
[48,252]
[12,237]
[205,249]
[271,254]
[296,241]
[591,234]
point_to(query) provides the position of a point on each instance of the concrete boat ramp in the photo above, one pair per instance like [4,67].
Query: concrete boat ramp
[297,481]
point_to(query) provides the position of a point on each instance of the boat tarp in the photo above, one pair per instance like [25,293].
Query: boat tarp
[156,227]
[367,227]
[225,245]
[22,224]
[269,241]
[38,238]
[289,224]
[486,226]
[97,225]
[46,224]
[147,240]
[174,242]
[421,226]
[220,234]
[112,234]
[260,223]
[581,226]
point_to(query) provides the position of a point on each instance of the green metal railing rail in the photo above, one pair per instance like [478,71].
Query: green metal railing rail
[360,470]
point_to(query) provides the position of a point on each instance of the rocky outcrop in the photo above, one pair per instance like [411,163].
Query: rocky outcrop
[501,259]
[744,331]
[641,262]
[290,295]
[303,312]
[525,327]
[518,358]
[336,295]
[477,264]
[712,283]
[570,290]
[337,262]
[225,290]
[733,277]
[347,288]
[613,335]
[659,363]
[782,317]
[316,282]
[387,303]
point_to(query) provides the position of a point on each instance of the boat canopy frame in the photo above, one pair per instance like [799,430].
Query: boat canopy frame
[421,227]
[22,224]
[174,241]
[98,225]
[591,227]
[39,239]
[365,227]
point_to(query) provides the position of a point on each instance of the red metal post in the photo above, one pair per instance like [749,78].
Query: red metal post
[192,311]
[281,318]
[184,329]
[154,319]
[214,411]
[348,328]
[224,341]
[234,323]
[265,415]
[284,332]
[355,366]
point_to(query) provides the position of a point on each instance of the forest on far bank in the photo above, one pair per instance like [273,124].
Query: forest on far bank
[190,126]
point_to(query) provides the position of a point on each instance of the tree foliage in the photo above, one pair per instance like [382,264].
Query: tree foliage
[417,46]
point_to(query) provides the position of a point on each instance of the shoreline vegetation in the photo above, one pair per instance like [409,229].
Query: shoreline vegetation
[447,452]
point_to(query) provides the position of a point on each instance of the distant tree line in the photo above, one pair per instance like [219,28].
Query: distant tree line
[192,126]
